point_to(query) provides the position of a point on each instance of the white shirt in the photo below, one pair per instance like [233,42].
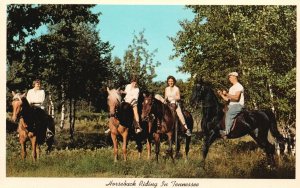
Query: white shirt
[237,88]
[36,97]
[171,92]
[131,93]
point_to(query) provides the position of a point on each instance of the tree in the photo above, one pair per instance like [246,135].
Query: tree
[71,57]
[137,61]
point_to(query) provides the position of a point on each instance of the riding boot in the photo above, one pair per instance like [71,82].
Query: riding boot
[224,133]
[187,131]
[107,131]
[138,128]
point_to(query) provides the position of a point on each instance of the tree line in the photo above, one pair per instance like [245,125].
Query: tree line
[259,42]
[76,65]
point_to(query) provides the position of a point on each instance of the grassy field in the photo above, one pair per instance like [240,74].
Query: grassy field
[90,154]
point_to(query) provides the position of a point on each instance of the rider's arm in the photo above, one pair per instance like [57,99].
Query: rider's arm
[235,97]
[166,94]
[136,92]
[29,97]
[42,96]
[224,95]
[177,96]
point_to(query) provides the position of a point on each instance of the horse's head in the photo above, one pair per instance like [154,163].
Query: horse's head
[17,104]
[147,105]
[198,92]
[113,100]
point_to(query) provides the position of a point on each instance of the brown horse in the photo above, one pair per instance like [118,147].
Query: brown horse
[33,124]
[154,110]
[120,120]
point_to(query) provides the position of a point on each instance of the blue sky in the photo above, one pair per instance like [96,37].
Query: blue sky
[118,23]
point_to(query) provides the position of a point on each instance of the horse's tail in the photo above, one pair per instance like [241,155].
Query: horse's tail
[273,126]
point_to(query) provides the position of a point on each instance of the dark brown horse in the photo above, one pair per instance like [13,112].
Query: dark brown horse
[154,110]
[34,123]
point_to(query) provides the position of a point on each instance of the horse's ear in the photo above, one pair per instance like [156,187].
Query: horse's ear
[144,94]
[118,89]
[24,94]
[199,80]
[107,89]
[13,93]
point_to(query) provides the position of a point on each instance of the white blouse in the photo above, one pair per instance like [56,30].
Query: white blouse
[132,93]
[172,94]
[36,97]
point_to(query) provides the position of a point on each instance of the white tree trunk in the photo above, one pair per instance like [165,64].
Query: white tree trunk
[272,97]
[63,108]
[51,107]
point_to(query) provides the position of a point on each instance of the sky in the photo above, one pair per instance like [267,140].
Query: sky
[119,23]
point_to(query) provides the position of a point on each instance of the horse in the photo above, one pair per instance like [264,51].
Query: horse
[153,110]
[147,132]
[120,120]
[34,123]
[255,123]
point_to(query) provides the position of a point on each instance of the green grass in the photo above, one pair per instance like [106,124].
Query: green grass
[91,155]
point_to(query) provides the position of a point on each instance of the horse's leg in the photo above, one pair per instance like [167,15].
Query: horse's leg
[177,154]
[22,138]
[23,148]
[157,145]
[170,149]
[187,147]
[148,149]
[38,150]
[32,138]
[149,141]
[124,147]
[139,145]
[208,140]
[115,142]
[262,141]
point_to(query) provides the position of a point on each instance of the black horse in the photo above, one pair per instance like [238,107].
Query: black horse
[256,123]
[154,110]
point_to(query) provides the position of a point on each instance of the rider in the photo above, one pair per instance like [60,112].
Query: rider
[36,95]
[172,95]
[132,93]
[235,97]
[131,97]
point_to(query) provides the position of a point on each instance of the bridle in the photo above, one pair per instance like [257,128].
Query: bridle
[202,104]
[117,104]
[150,116]
[16,99]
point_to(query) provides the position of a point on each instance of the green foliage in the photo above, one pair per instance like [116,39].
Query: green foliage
[137,61]
[226,159]
[259,42]
[69,58]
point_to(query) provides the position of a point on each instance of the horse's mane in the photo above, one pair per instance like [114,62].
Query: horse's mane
[159,97]
[114,96]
